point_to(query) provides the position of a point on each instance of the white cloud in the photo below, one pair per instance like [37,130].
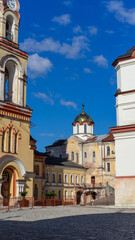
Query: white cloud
[38,66]
[47,134]
[122,14]
[68,104]
[101,61]
[87,70]
[63,19]
[67,3]
[44,97]
[93,30]
[109,32]
[72,51]
[77,29]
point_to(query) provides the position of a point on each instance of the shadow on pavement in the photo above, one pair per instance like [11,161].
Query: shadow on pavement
[114,226]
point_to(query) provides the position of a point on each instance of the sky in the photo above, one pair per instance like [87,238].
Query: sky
[72,45]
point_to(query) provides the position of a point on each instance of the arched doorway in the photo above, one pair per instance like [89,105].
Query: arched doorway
[78,200]
[9,185]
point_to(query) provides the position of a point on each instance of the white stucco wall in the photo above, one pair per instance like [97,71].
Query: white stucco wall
[125,154]
[81,129]
[125,109]
[125,75]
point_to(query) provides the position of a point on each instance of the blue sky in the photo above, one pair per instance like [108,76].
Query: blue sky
[71,46]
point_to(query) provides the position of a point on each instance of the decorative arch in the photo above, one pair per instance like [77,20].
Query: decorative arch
[7,159]
[13,58]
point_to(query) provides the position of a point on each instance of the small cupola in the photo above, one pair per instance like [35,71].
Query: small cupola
[83,125]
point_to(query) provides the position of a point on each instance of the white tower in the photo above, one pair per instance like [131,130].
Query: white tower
[83,126]
[124,133]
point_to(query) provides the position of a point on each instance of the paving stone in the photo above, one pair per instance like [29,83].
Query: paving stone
[65,223]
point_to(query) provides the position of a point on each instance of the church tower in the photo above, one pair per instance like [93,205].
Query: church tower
[83,126]
[16,157]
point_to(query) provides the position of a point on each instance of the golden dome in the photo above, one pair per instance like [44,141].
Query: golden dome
[83,117]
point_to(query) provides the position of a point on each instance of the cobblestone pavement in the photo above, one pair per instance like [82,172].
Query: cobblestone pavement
[64,223]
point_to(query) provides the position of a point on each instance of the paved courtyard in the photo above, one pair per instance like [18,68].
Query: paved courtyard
[68,223]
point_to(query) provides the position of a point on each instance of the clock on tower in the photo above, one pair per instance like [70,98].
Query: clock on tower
[12,4]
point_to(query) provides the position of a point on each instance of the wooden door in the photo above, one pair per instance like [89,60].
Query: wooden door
[5,193]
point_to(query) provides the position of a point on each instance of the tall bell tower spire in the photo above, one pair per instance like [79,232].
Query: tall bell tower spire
[13,64]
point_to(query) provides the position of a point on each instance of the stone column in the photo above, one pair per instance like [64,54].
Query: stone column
[21,92]
[2,83]
[1,181]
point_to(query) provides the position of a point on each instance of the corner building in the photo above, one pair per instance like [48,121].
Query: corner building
[16,155]
[124,132]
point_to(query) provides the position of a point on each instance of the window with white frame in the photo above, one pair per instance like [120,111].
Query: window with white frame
[53,178]
[77,128]
[108,150]
[76,179]
[82,180]
[85,128]
[108,167]
[66,178]
[60,178]
[71,194]
[71,179]
[94,156]
[66,194]
[3,141]
[72,156]
[59,194]
[47,177]
[77,157]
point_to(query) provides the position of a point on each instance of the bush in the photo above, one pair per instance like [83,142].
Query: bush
[50,194]
[23,194]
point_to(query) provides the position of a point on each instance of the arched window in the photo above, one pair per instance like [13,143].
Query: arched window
[53,178]
[66,194]
[93,181]
[37,170]
[72,156]
[66,178]
[85,128]
[71,194]
[71,179]
[6,87]
[77,157]
[76,179]
[82,181]
[9,140]
[94,156]
[3,141]
[108,150]
[77,128]
[16,143]
[9,27]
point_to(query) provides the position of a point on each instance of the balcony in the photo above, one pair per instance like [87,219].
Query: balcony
[94,185]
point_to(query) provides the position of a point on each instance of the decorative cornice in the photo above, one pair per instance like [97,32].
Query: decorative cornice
[74,124]
[12,48]
[122,129]
[15,111]
[122,93]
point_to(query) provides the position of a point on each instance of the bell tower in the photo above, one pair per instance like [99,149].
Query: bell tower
[16,155]
[13,70]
